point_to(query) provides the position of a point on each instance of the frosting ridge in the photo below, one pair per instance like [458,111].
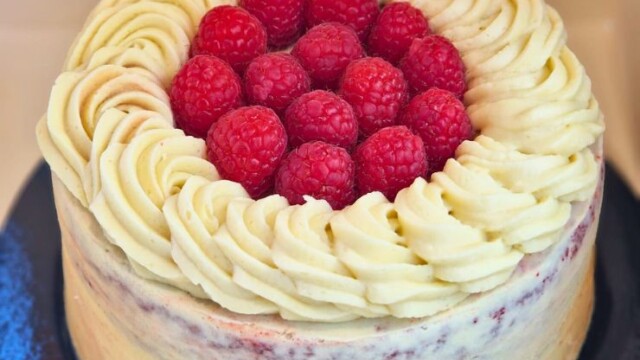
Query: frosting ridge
[137,178]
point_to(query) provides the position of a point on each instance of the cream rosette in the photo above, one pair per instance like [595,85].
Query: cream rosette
[505,36]
[556,114]
[137,179]
[154,35]
[246,240]
[459,253]
[78,103]
[117,127]
[195,216]
[526,88]
[478,200]
[566,178]
[304,251]
[397,281]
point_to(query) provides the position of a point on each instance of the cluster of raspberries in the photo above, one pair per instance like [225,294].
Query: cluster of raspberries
[367,99]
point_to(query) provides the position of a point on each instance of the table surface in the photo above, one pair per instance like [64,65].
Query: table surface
[35,35]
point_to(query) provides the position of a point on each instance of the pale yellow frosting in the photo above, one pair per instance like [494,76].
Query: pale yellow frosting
[78,103]
[194,217]
[137,179]
[566,178]
[107,135]
[367,241]
[155,35]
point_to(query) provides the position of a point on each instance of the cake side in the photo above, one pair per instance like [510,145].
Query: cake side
[543,299]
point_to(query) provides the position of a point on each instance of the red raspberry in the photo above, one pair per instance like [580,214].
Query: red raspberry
[274,80]
[433,61]
[325,51]
[321,115]
[320,170]
[389,161]
[391,35]
[232,34]
[202,91]
[359,14]
[439,118]
[246,145]
[283,19]
[376,90]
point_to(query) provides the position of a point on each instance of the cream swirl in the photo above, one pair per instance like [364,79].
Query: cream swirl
[501,36]
[246,239]
[520,55]
[137,178]
[303,249]
[78,103]
[195,216]
[117,127]
[556,115]
[478,200]
[154,35]
[459,253]
[567,178]
[526,88]
[138,60]
[367,242]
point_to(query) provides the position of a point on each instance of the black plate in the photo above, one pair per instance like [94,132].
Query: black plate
[32,314]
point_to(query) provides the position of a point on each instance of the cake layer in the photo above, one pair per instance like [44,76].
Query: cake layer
[541,312]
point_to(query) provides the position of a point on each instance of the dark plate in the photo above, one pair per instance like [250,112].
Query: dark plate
[32,314]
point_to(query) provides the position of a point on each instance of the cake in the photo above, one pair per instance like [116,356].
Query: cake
[492,257]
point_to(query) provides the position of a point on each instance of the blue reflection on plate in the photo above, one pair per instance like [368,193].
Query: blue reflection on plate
[16,302]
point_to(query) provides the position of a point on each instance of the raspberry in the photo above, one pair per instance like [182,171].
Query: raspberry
[246,145]
[325,51]
[391,35]
[232,34]
[389,161]
[283,19]
[275,80]
[202,91]
[439,118]
[321,115]
[358,14]
[433,61]
[376,90]
[320,170]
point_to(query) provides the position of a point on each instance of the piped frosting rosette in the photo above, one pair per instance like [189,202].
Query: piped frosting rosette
[194,217]
[107,135]
[566,178]
[526,88]
[476,199]
[137,179]
[397,281]
[154,35]
[78,104]
[459,253]
[248,241]
[474,231]
[303,250]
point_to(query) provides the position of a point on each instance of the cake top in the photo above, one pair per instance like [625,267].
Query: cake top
[109,136]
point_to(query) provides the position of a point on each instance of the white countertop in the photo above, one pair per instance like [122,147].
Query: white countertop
[35,35]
